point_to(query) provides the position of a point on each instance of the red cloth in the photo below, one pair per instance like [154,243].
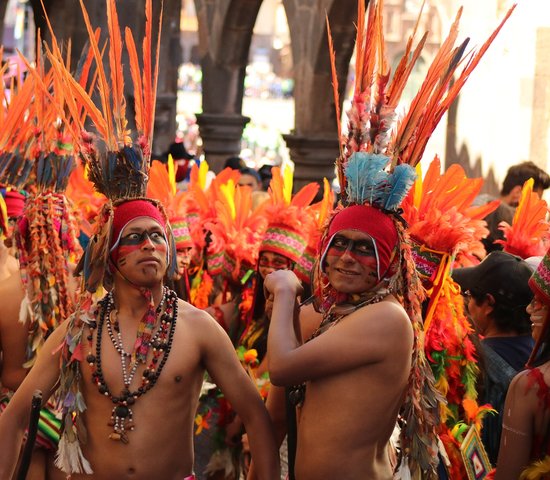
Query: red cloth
[15,202]
[130,210]
[373,222]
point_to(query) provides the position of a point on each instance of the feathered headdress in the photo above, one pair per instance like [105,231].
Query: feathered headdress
[117,164]
[375,169]
[240,227]
[527,235]
[320,212]
[288,220]
[442,224]
[42,152]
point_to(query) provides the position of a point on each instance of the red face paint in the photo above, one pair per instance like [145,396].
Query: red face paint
[135,241]
[361,251]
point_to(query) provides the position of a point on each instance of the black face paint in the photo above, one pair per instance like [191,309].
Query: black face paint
[136,238]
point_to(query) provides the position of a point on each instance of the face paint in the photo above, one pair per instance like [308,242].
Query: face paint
[277,262]
[361,250]
[135,241]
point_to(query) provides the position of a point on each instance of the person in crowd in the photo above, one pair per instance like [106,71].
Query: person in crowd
[525,443]
[510,195]
[497,293]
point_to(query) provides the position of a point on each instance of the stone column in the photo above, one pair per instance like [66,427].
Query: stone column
[221,135]
[313,156]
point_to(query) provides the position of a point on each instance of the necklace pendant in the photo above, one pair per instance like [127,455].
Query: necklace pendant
[121,421]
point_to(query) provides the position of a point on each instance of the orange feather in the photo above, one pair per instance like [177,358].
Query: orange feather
[335,86]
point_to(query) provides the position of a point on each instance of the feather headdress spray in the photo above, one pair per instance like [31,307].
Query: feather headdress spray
[528,234]
[47,232]
[118,166]
[376,169]
[443,224]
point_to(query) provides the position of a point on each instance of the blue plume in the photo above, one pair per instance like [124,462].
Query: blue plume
[401,181]
[366,178]
[133,156]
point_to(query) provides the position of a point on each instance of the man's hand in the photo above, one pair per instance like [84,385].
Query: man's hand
[282,280]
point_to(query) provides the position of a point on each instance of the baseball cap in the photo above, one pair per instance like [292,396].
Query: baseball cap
[501,274]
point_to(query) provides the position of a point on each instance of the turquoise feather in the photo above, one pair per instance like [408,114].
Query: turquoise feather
[366,178]
[401,181]
[368,182]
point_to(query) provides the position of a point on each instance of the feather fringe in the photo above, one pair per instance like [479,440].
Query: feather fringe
[70,459]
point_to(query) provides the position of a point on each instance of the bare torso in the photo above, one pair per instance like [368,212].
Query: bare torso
[347,418]
[161,445]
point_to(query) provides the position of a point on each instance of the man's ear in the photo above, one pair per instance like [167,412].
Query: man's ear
[515,194]
[489,303]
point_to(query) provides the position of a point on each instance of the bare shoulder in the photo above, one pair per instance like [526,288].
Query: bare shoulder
[388,315]
[191,315]
[197,322]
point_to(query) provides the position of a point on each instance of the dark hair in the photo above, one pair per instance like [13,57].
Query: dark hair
[235,163]
[179,152]
[507,318]
[520,173]
[252,173]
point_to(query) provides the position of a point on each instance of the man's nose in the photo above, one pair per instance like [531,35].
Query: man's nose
[347,255]
[148,243]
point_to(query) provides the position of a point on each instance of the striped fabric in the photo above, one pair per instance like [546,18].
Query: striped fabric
[49,424]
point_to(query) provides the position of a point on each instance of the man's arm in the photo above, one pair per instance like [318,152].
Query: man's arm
[223,366]
[359,339]
[43,376]
[13,334]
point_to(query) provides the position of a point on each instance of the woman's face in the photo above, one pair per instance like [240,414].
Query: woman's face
[270,261]
[538,311]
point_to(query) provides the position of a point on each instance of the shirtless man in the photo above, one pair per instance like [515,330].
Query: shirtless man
[161,404]
[355,378]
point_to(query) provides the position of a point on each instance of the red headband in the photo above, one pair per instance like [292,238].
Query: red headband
[130,210]
[373,222]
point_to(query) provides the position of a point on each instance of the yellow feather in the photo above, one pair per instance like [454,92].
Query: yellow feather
[418,187]
[203,172]
[287,184]
[228,192]
[172,174]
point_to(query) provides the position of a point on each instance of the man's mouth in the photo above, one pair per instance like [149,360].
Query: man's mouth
[150,260]
[346,272]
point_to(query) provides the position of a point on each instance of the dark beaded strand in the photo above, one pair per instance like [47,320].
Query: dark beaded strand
[122,415]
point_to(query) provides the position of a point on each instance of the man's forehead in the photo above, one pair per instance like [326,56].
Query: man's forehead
[353,235]
[142,223]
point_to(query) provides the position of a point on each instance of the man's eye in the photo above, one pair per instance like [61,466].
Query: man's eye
[340,243]
[364,248]
[133,236]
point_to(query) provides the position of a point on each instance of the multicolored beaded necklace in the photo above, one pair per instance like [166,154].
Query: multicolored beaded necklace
[161,342]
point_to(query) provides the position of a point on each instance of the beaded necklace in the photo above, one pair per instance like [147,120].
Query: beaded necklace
[122,414]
